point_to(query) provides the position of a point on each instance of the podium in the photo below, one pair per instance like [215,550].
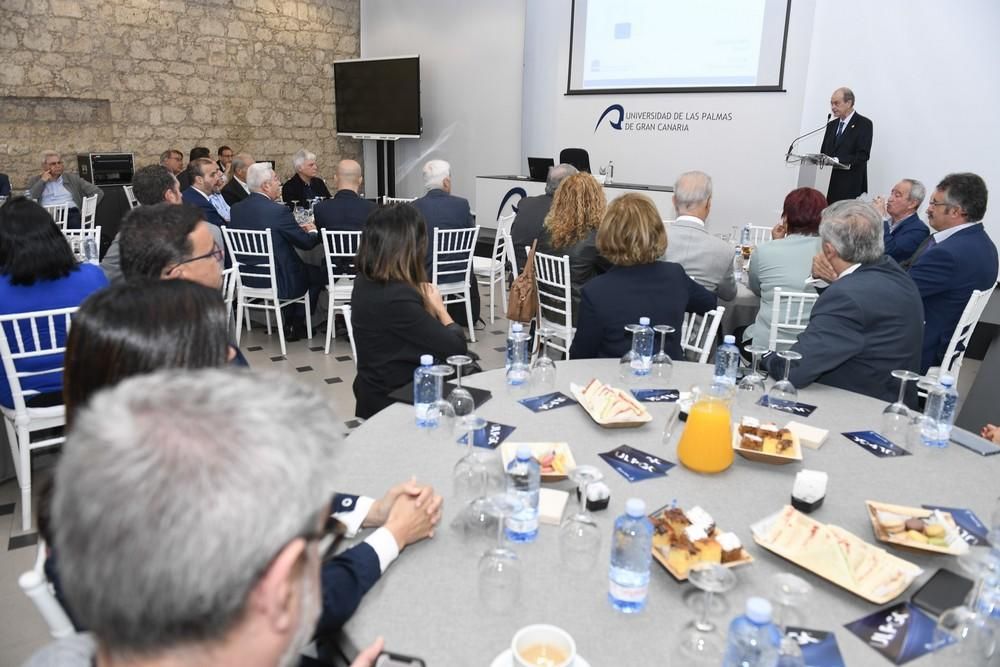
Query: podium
[811,166]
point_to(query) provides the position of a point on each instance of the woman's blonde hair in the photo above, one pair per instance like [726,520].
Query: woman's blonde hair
[577,209]
[632,232]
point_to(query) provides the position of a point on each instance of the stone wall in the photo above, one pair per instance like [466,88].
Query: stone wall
[142,76]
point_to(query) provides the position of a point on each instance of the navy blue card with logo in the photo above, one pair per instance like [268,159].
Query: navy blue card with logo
[876,444]
[970,528]
[656,395]
[900,633]
[547,402]
[791,407]
[819,648]
[636,465]
[490,436]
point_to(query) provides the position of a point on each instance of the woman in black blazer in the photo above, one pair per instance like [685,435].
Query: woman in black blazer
[396,314]
[632,237]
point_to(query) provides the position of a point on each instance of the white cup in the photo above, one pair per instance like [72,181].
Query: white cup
[545,635]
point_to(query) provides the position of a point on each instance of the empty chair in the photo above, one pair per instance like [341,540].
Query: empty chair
[451,268]
[698,333]
[130,196]
[578,157]
[88,212]
[789,317]
[491,270]
[340,248]
[555,299]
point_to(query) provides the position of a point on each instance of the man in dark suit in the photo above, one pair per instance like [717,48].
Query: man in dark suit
[184,178]
[531,212]
[204,176]
[849,139]
[4,185]
[236,190]
[867,323]
[903,230]
[347,211]
[959,257]
[258,212]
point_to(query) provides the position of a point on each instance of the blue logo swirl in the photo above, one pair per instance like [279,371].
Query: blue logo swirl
[615,124]
[520,192]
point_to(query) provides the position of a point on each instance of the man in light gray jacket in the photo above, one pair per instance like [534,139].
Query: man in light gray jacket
[53,187]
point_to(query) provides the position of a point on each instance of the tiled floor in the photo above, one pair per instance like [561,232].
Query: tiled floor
[22,630]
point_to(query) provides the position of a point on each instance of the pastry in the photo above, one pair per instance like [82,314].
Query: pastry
[916,536]
[732,548]
[752,442]
[699,517]
[916,525]
[892,523]
[934,530]
[695,534]
[709,551]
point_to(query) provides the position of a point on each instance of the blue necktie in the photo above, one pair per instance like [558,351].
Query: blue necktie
[840,129]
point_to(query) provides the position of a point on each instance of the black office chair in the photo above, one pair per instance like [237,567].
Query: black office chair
[578,157]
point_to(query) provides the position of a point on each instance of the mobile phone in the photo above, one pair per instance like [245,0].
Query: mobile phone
[387,659]
[971,441]
[941,592]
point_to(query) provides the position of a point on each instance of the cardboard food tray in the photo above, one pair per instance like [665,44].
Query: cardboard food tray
[508,450]
[660,540]
[899,540]
[577,392]
[764,457]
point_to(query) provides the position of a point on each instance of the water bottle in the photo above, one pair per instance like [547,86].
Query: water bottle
[426,390]
[517,346]
[753,639]
[939,413]
[642,346]
[631,555]
[738,265]
[727,361]
[524,478]
[90,250]
[611,173]
[745,235]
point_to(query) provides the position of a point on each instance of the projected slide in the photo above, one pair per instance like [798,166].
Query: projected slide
[677,44]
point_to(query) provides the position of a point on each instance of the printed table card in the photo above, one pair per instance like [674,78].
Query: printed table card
[900,633]
[547,402]
[819,648]
[791,407]
[876,444]
[490,436]
[636,465]
[656,395]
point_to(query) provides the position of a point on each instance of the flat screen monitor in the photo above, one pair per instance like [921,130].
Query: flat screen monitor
[378,97]
[538,167]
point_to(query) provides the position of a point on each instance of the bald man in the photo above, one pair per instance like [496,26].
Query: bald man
[346,211]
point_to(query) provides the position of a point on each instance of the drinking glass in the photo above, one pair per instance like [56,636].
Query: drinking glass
[663,365]
[440,413]
[673,411]
[783,390]
[702,642]
[543,368]
[579,536]
[790,592]
[752,387]
[972,633]
[499,567]
[471,483]
[630,360]
[460,398]
[897,418]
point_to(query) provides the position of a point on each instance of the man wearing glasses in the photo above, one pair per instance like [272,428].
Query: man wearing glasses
[53,187]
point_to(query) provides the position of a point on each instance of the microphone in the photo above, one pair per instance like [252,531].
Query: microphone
[798,139]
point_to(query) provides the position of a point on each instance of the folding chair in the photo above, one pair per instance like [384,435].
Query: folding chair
[698,333]
[341,247]
[789,316]
[59,213]
[492,270]
[88,213]
[555,299]
[955,352]
[453,250]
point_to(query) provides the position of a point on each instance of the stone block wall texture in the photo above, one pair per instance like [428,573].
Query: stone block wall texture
[141,76]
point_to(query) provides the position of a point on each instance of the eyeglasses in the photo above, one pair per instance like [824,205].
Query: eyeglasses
[215,254]
[937,203]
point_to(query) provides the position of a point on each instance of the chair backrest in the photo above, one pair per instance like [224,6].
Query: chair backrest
[698,332]
[341,247]
[130,196]
[389,201]
[789,317]
[759,235]
[508,245]
[346,310]
[955,352]
[229,286]
[453,250]
[76,238]
[253,259]
[88,213]
[39,336]
[578,157]
[39,590]
[499,245]
[59,213]
[555,296]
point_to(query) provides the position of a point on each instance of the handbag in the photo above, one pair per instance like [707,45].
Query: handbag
[522,302]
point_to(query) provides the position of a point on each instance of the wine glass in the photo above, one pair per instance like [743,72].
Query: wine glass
[897,418]
[630,361]
[783,390]
[752,387]
[673,413]
[701,640]
[499,567]
[543,368]
[663,365]
[460,398]
[790,592]
[972,633]
[471,484]
[579,536]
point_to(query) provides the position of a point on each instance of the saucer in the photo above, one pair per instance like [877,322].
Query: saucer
[506,659]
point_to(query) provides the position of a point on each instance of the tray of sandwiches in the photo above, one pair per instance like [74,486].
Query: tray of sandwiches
[835,554]
[684,538]
[609,406]
[916,528]
[766,442]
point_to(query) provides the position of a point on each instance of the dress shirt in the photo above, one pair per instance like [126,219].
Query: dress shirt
[844,124]
[382,540]
[940,237]
[690,218]
[220,205]
[849,270]
[56,194]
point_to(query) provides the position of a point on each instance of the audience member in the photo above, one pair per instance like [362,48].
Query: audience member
[959,257]
[531,212]
[295,277]
[632,238]
[786,260]
[441,209]
[347,211]
[904,231]
[196,153]
[173,160]
[54,187]
[204,174]
[38,272]
[247,591]
[4,185]
[397,315]
[305,185]
[706,258]
[164,241]
[867,323]
[235,190]
[225,154]
[570,228]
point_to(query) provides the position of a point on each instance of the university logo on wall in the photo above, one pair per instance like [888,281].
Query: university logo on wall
[655,121]
[510,197]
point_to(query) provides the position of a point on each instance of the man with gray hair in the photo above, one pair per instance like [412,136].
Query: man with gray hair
[440,208]
[903,230]
[305,185]
[868,322]
[53,187]
[235,190]
[531,212]
[706,258]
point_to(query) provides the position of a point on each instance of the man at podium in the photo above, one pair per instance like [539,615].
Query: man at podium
[849,139]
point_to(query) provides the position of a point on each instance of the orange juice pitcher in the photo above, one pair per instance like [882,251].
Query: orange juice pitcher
[706,445]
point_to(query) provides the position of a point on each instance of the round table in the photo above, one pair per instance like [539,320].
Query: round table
[427,605]
[741,311]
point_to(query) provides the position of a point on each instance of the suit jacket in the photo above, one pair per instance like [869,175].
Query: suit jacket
[901,243]
[257,212]
[195,197]
[784,263]
[946,274]
[184,179]
[233,192]
[76,186]
[706,258]
[584,263]
[527,227]
[863,326]
[660,291]
[442,211]
[4,185]
[295,189]
[853,148]
[344,580]
[347,211]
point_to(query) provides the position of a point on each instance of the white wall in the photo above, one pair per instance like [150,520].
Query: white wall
[471,55]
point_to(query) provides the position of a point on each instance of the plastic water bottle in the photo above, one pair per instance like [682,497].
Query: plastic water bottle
[939,413]
[90,250]
[517,346]
[524,478]
[631,555]
[738,265]
[753,639]
[745,235]
[642,345]
[727,361]
[426,390]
